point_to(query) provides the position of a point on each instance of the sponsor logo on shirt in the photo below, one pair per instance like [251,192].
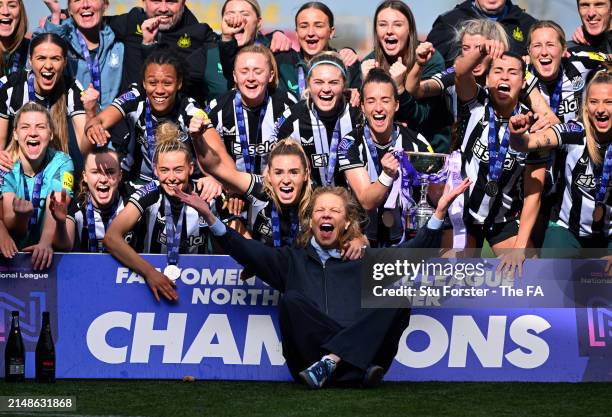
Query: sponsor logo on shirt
[482,152]
[319,160]
[68,180]
[568,106]
[263,148]
[125,97]
[138,30]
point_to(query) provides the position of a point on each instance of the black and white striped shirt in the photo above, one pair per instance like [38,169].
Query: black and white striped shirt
[473,131]
[580,184]
[14,94]
[77,213]
[446,81]
[300,123]
[132,106]
[354,152]
[223,117]
[195,236]
[576,71]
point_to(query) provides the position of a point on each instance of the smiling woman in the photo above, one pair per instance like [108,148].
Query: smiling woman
[95,57]
[46,85]
[13,42]
[40,170]
[157,99]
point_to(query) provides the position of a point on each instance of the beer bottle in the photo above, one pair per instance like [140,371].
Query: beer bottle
[14,353]
[45,352]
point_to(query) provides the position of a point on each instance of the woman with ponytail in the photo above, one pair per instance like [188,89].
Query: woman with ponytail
[172,227]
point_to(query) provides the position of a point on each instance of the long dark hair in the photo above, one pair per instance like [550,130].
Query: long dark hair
[59,112]
[409,55]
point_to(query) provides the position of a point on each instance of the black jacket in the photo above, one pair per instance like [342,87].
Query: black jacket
[515,21]
[184,38]
[601,43]
[335,288]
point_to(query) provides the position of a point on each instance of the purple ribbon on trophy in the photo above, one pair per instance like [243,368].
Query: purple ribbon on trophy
[402,187]
[455,211]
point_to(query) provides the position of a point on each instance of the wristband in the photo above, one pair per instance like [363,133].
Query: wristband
[385,180]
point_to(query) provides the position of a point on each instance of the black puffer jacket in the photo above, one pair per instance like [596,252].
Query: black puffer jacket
[515,21]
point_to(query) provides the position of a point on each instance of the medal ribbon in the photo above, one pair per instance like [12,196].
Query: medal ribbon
[38,180]
[173,233]
[15,62]
[92,63]
[150,132]
[333,149]
[555,97]
[301,80]
[249,162]
[455,211]
[32,92]
[276,228]
[604,180]
[91,223]
[496,158]
[372,147]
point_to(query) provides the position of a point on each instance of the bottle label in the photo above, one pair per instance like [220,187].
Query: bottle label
[16,369]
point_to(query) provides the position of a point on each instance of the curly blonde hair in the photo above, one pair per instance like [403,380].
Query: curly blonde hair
[354,214]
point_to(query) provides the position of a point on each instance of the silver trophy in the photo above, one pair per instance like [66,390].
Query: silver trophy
[431,169]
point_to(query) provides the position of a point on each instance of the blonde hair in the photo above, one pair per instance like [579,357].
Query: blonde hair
[289,146]
[167,140]
[484,27]
[33,107]
[354,214]
[18,36]
[601,77]
[262,50]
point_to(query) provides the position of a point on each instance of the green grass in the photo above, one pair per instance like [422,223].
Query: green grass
[235,399]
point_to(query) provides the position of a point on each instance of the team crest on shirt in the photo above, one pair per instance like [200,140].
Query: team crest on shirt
[518,35]
[114,60]
[577,83]
[184,41]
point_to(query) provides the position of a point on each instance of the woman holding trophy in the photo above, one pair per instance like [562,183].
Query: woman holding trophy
[495,203]
[366,157]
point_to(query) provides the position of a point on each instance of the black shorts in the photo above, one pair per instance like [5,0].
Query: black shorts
[493,233]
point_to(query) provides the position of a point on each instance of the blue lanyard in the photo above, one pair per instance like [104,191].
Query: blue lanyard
[555,97]
[173,233]
[496,158]
[32,92]
[301,80]
[92,63]
[15,62]
[605,176]
[276,228]
[372,147]
[91,223]
[249,163]
[333,149]
[149,131]
[38,180]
